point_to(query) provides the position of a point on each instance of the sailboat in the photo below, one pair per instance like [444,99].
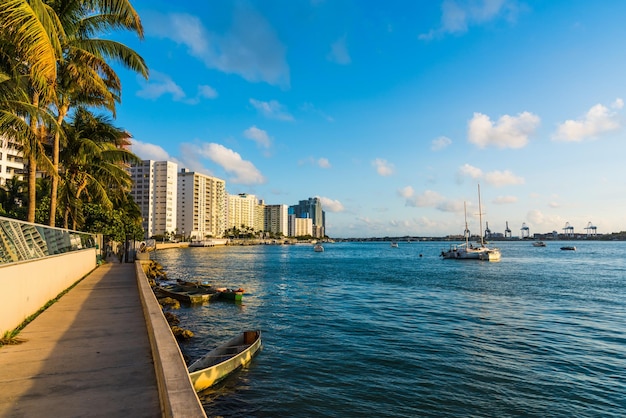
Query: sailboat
[468,251]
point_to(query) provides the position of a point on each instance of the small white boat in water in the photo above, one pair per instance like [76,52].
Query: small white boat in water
[318,248]
[468,251]
[223,360]
[394,245]
[539,244]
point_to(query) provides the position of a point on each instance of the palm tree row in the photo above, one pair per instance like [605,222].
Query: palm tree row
[54,72]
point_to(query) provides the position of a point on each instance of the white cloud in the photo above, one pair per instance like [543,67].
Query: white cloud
[207,92]
[429,199]
[339,52]
[450,206]
[244,172]
[495,178]
[323,163]
[507,132]
[554,205]
[310,107]
[503,178]
[467,170]
[320,162]
[271,109]
[147,151]
[190,155]
[249,48]
[542,222]
[406,192]
[330,205]
[597,121]
[158,85]
[440,143]
[458,15]
[505,200]
[257,135]
[383,167]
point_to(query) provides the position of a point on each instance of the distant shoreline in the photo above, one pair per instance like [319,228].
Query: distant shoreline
[238,242]
[612,237]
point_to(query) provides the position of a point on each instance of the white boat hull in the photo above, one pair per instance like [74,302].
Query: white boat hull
[464,253]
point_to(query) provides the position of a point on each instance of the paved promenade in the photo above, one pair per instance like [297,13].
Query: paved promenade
[88,355]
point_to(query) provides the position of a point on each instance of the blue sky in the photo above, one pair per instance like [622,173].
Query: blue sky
[392,111]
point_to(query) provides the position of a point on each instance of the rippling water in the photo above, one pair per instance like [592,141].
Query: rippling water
[364,329]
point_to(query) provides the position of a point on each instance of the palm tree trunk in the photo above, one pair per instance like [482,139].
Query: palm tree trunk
[66,218]
[55,163]
[32,187]
[32,165]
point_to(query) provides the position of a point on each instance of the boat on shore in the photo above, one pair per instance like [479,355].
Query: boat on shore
[539,244]
[198,292]
[224,359]
[468,251]
[188,294]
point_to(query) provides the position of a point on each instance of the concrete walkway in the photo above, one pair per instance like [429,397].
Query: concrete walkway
[88,355]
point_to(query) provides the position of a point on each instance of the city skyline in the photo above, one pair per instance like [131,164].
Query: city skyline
[196,206]
[392,113]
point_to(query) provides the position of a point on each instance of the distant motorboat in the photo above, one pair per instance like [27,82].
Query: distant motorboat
[394,245]
[318,248]
[569,248]
[539,244]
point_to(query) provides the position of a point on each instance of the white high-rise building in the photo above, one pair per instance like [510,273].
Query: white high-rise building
[11,160]
[276,219]
[201,205]
[154,191]
[241,210]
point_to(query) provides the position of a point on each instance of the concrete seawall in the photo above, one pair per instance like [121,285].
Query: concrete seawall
[178,398]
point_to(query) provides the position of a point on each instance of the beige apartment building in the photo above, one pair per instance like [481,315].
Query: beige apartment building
[241,211]
[201,206]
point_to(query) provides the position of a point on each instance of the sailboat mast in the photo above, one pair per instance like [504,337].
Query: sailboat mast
[466,232]
[480,217]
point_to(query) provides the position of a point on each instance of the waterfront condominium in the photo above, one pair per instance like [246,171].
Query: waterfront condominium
[276,219]
[300,227]
[154,191]
[201,206]
[241,211]
[11,161]
[312,209]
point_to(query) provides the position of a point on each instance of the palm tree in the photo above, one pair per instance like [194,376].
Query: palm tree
[84,76]
[30,36]
[50,61]
[29,33]
[12,197]
[93,165]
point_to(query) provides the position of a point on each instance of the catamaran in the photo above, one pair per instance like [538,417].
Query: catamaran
[468,251]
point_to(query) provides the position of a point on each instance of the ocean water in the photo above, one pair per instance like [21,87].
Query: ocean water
[364,329]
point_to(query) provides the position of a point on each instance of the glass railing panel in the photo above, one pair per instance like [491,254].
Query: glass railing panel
[21,241]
